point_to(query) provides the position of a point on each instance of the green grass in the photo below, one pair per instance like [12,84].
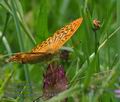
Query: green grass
[92,77]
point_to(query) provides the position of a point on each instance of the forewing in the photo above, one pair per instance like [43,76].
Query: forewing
[59,38]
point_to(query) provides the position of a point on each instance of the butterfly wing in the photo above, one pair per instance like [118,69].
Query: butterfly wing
[50,46]
[60,37]
[28,57]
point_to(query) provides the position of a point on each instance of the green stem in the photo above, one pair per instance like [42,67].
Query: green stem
[20,39]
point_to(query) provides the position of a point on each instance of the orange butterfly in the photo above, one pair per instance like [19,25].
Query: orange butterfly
[50,46]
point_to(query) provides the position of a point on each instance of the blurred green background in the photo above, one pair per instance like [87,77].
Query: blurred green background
[92,77]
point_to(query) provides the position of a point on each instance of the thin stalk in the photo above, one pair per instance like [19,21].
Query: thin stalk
[96,48]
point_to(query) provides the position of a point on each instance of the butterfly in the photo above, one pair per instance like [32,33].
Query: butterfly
[50,46]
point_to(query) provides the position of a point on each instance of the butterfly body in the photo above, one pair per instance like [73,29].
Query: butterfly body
[50,46]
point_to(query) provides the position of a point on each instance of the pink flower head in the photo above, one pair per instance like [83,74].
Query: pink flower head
[55,81]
